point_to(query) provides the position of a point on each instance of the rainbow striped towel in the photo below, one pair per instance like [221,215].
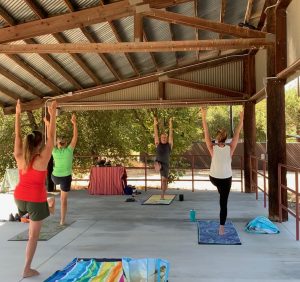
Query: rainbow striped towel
[90,270]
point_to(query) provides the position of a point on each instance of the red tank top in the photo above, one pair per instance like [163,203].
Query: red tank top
[32,185]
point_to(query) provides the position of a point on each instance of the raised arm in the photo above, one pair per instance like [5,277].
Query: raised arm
[75,132]
[236,135]
[156,138]
[171,132]
[18,148]
[208,142]
[47,151]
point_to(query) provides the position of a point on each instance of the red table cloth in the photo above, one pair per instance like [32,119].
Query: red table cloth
[107,180]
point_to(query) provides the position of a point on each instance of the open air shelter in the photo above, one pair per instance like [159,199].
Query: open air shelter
[150,53]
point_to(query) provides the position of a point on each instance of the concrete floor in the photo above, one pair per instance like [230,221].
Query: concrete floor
[107,226]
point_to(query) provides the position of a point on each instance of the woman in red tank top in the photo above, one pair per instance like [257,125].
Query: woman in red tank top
[30,193]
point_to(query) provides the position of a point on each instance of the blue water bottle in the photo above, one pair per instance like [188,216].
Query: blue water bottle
[192,215]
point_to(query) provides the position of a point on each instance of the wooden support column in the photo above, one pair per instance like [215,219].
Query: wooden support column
[249,123]
[276,143]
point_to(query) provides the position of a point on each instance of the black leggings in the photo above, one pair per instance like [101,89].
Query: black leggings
[223,185]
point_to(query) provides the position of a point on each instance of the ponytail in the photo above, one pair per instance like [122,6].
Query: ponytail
[31,143]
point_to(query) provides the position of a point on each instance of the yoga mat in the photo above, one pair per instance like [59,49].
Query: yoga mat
[49,229]
[104,270]
[208,233]
[155,200]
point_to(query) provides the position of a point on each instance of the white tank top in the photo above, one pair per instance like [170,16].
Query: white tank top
[221,162]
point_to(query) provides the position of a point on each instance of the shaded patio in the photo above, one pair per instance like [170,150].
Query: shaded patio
[109,227]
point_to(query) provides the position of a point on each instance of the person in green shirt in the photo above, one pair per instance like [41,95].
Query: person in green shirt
[62,170]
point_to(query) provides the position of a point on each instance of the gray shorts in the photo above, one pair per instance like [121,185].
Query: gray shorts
[164,171]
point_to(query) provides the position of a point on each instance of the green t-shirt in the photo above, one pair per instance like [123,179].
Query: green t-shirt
[63,159]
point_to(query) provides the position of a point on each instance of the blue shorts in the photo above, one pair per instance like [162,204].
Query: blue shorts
[63,181]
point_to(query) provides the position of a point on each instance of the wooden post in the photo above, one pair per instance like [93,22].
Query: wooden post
[249,124]
[249,145]
[276,144]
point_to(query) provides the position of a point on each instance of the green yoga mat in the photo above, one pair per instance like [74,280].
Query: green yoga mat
[156,200]
[49,229]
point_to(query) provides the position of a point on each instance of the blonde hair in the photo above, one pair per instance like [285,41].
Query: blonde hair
[221,135]
[31,143]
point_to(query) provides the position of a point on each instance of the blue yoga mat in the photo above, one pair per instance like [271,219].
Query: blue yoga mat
[208,233]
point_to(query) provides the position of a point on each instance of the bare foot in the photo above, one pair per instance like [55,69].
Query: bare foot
[62,223]
[30,272]
[221,230]
[51,204]
[162,197]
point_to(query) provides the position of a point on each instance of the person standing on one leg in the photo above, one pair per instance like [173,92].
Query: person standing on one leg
[163,151]
[62,171]
[220,169]
[30,193]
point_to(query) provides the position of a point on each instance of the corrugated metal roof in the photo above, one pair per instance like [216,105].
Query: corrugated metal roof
[53,7]
[160,31]
[227,76]
[19,72]
[10,85]
[19,10]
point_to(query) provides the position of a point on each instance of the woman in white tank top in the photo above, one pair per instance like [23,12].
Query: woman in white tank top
[220,169]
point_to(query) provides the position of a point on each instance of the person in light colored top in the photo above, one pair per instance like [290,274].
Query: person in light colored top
[220,170]
[62,170]
[30,193]
[163,150]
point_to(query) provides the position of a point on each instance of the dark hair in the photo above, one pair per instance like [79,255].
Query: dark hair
[31,143]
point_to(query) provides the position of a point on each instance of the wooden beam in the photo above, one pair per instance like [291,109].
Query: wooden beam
[138,28]
[248,11]
[18,60]
[151,54]
[111,24]
[102,89]
[10,94]
[290,70]
[56,66]
[205,87]
[222,15]
[197,37]
[36,9]
[21,83]
[42,15]
[161,90]
[130,47]
[9,19]
[50,61]
[78,60]
[160,4]
[204,24]
[68,21]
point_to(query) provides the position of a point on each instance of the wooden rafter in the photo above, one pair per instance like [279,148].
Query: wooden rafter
[21,83]
[156,46]
[197,37]
[204,24]
[10,94]
[102,89]
[138,28]
[171,28]
[222,16]
[112,26]
[7,17]
[18,60]
[160,4]
[42,15]
[248,11]
[151,54]
[90,38]
[56,66]
[60,23]
[205,87]
[47,58]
